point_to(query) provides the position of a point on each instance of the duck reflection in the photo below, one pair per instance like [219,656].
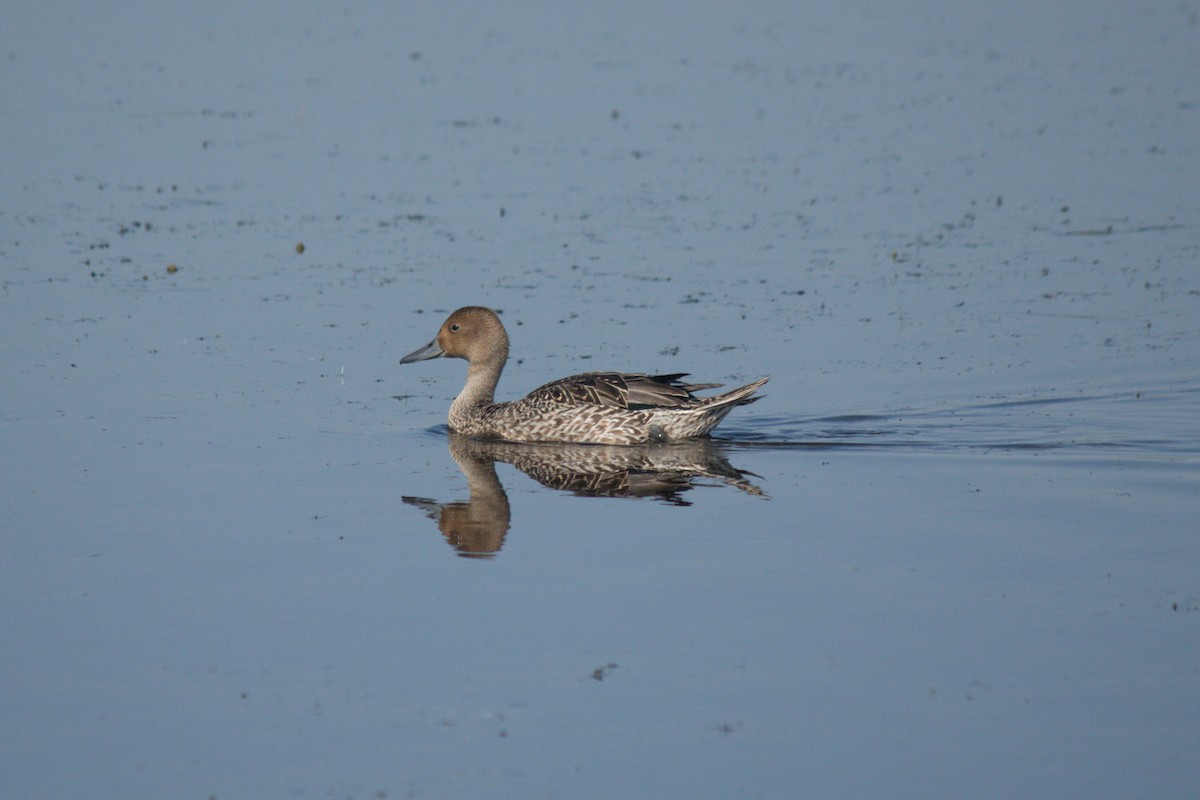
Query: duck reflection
[476,528]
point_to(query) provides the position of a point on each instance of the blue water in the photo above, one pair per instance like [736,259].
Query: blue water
[951,553]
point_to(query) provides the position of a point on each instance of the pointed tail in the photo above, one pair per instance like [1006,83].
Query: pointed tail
[737,397]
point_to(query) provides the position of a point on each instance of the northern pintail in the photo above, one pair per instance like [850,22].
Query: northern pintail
[590,408]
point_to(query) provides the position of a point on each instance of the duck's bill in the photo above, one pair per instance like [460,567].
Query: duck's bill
[431,350]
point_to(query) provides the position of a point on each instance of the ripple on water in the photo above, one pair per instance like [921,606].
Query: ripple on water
[1159,423]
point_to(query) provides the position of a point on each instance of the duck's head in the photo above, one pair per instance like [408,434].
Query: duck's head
[473,332]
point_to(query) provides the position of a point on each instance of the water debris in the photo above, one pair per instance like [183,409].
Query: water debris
[299,247]
[600,673]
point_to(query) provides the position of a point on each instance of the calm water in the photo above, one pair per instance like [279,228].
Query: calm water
[952,553]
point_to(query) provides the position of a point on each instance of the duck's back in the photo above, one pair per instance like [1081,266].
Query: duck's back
[632,391]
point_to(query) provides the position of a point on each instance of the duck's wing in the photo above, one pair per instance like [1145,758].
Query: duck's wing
[626,390]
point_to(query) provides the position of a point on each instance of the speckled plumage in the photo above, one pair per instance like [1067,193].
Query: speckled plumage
[590,408]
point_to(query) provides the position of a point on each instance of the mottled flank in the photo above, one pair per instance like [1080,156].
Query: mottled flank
[591,408]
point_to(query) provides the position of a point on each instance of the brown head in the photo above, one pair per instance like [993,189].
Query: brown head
[474,333]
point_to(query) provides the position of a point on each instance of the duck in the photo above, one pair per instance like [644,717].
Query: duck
[610,408]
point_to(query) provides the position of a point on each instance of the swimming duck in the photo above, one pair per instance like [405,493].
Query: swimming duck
[590,408]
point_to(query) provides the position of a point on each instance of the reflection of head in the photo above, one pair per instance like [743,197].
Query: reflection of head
[477,527]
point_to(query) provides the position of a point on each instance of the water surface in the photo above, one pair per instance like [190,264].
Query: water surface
[952,552]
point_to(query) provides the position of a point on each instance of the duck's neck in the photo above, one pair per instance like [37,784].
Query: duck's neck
[482,376]
[480,389]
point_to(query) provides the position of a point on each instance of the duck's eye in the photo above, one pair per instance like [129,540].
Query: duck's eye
[454,328]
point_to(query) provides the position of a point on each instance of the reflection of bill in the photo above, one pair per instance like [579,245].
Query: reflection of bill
[477,527]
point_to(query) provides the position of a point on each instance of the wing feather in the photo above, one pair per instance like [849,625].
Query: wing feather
[627,390]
